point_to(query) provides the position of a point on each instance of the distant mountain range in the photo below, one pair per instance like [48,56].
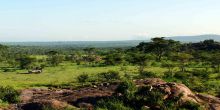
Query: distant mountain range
[79,44]
[111,44]
[195,38]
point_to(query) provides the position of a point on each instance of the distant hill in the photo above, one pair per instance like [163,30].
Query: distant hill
[78,44]
[195,38]
[109,44]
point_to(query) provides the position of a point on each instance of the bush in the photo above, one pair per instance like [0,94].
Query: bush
[127,76]
[8,94]
[196,84]
[127,88]
[153,98]
[147,74]
[109,76]
[200,73]
[168,74]
[181,75]
[111,104]
[190,106]
[83,78]
[156,64]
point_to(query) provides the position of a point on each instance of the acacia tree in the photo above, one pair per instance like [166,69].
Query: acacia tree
[25,62]
[183,59]
[204,58]
[159,46]
[170,65]
[113,59]
[140,59]
[54,58]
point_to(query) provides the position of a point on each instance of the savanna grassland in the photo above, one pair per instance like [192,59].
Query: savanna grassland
[65,73]
[196,65]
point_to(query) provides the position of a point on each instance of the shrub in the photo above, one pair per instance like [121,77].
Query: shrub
[191,106]
[123,68]
[196,84]
[111,104]
[153,97]
[156,64]
[200,73]
[8,94]
[168,74]
[147,74]
[127,88]
[83,78]
[128,76]
[181,75]
[109,76]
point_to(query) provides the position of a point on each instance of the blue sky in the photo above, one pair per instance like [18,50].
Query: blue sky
[73,20]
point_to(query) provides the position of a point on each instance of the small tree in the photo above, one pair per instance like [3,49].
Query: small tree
[170,65]
[159,46]
[141,60]
[113,59]
[127,88]
[25,62]
[183,59]
[83,78]
[54,58]
[109,76]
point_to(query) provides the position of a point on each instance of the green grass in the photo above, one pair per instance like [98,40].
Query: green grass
[64,73]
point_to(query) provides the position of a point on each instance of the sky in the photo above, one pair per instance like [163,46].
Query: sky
[103,20]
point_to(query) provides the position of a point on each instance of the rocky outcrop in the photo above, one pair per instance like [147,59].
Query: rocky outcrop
[176,89]
[86,97]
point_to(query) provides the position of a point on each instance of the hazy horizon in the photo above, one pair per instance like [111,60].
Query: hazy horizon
[105,20]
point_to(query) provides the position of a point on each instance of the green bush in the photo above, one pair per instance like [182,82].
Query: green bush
[181,75]
[109,76]
[155,64]
[168,74]
[82,78]
[127,76]
[153,98]
[147,74]
[8,94]
[200,73]
[127,88]
[196,84]
[191,106]
[111,104]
